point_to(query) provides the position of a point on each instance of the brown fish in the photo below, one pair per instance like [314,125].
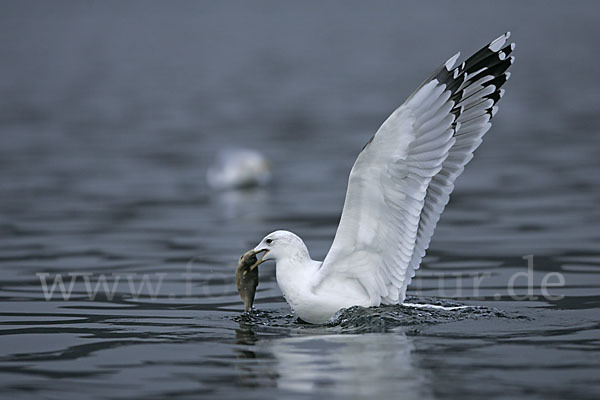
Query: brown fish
[246,278]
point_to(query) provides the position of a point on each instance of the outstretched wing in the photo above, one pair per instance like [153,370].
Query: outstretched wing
[402,180]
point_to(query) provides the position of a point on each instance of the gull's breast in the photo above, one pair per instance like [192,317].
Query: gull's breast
[331,296]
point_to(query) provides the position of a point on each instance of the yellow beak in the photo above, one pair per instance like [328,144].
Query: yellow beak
[260,260]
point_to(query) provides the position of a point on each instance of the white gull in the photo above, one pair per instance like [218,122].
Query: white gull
[398,188]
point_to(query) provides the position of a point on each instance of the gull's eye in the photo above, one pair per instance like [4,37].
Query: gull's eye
[269,241]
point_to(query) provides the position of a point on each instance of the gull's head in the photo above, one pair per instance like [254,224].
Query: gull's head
[279,245]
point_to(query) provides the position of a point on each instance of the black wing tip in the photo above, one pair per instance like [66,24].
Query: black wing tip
[456,77]
[488,65]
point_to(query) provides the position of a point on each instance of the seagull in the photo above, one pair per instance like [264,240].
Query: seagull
[398,187]
[238,169]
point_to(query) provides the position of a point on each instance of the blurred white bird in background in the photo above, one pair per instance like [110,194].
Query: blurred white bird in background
[238,169]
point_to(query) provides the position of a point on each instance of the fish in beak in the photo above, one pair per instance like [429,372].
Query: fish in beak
[246,277]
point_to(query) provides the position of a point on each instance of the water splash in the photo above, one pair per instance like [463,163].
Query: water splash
[415,312]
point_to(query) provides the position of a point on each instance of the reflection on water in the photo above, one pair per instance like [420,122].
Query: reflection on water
[346,365]
[335,365]
[110,116]
[240,203]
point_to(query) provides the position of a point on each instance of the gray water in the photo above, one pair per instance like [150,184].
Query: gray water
[110,113]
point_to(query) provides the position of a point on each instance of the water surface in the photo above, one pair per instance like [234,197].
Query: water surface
[110,114]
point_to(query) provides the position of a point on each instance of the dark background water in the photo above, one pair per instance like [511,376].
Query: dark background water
[110,113]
